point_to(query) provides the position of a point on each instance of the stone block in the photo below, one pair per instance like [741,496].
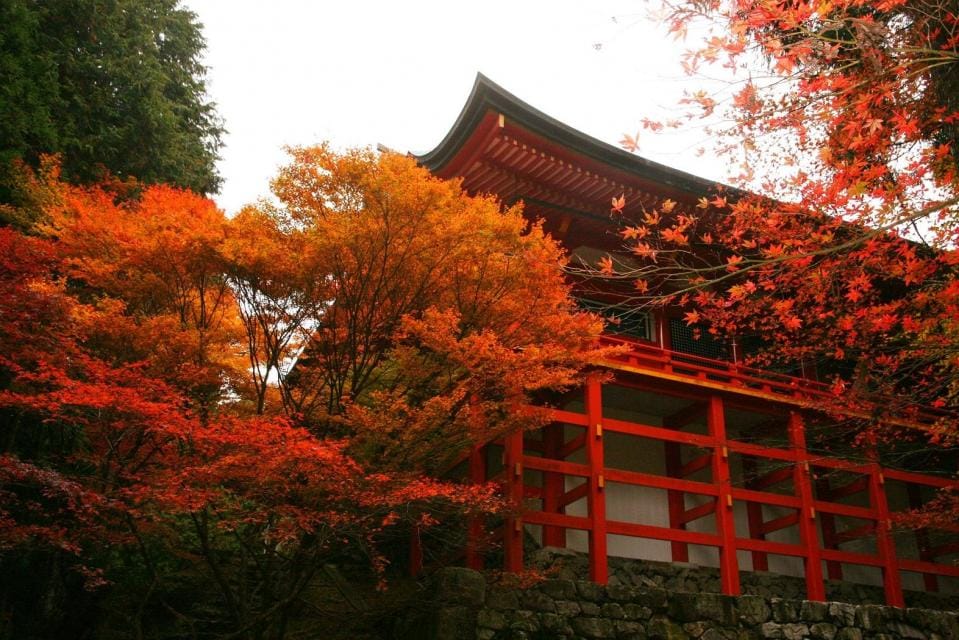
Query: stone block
[524,620]
[922,618]
[622,593]
[771,630]
[460,586]
[662,628]
[491,619]
[949,625]
[849,633]
[712,633]
[567,608]
[905,630]
[752,610]
[613,610]
[823,631]
[695,629]
[535,600]
[784,610]
[844,615]
[629,629]
[655,599]
[635,611]
[811,611]
[940,623]
[555,625]
[503,599]
[593,627]
[558,589]
[871,617]
[648,582]
[590,591]
[547,557]
[795,631]
[690,607]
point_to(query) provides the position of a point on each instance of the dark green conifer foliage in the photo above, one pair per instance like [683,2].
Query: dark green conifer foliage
[112,85]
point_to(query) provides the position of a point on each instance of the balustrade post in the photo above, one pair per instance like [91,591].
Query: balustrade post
[596,498]
[815,587]
[891,578]
[725,524]
[513,535]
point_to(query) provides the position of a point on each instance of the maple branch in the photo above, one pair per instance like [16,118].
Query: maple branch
[750,264]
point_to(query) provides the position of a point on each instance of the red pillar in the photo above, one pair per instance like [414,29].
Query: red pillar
[475,528]
[891,579]
[815,587]
[513,536]
[725,524]
[553,486]
[596,498]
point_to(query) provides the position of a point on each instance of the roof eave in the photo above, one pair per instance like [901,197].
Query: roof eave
[487,96]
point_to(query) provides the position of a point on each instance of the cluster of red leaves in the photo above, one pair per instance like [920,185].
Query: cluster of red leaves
[852,103]
[845,119]
[76,427]
[852,109]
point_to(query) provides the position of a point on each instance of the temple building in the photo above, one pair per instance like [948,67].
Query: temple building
[678,452]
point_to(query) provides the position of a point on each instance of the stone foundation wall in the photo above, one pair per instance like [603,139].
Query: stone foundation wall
[678,576]
[463,605]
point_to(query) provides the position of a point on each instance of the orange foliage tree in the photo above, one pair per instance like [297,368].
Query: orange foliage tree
[153,259]
[430,313]
[155,442]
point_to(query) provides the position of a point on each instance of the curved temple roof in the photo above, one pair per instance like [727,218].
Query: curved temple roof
[502,145]
[489,106]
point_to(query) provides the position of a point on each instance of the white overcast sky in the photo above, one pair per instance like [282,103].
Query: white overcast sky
[362,72]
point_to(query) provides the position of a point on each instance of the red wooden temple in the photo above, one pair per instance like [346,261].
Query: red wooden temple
[683,454]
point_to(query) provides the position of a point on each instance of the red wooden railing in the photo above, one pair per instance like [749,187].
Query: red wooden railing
[650,357]
[814,505]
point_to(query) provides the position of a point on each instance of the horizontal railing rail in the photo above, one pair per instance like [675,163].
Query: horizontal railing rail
[648,355]
[641,355]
